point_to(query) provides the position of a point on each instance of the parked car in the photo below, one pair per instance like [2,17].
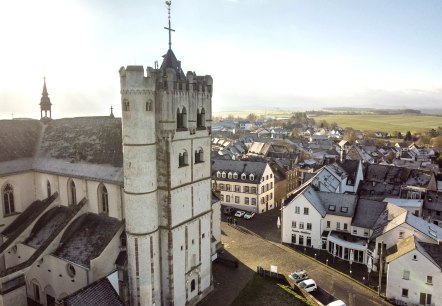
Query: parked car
[240,213]
[249,215]
[336,303]
[298,276]
[228,211]
[308,285]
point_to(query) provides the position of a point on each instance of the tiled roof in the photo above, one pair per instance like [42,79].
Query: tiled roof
[98,293]
[86,237]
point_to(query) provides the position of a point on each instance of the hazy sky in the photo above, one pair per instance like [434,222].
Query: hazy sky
[260,53]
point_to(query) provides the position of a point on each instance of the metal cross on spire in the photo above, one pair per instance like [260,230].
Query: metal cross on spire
[169,3]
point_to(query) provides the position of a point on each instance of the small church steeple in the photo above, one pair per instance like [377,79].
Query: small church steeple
[170,60]
[45,102]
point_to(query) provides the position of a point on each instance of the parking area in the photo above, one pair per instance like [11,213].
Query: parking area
[256,242]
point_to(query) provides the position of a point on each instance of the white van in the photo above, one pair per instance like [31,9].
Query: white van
[337,303]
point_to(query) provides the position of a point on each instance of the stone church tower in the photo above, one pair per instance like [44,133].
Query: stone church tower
[166,118]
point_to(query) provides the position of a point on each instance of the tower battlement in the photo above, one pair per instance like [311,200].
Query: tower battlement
[135,77]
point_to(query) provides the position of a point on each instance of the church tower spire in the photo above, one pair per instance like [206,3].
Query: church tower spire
[45,102]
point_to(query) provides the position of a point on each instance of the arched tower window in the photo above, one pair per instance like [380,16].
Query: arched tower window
[192,285]
[149,106]
[72,192]
[103,199]
[184,115]
[8,200]
[179,119]
[199,156]
[183,159]
[201,118]
[126,105]
[48,188]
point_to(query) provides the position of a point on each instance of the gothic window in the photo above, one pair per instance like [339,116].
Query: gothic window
[192,285]
[103,199]
[72,192]
[126,105]
[199,156]
[201,118]
[48,188]
[184,114]
[179,119]
[183,159]
[8,200]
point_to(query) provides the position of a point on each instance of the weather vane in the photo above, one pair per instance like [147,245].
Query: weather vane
[169,3]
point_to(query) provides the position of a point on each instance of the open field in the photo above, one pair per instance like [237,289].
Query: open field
[385,123]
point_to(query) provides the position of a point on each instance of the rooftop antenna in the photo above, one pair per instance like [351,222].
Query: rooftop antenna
[169,3]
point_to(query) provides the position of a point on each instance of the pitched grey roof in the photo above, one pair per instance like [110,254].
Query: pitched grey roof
[86,237]
[19,138]
[98,293]
[434,251]
[367,213]
[239,166]
[87,147]
[344,204]
[351,167]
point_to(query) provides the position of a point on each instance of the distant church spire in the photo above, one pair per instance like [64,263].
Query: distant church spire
[112,112]
[45,102]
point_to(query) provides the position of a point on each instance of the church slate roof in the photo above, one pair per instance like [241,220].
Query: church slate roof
[47,225]
[87,147]
[19,138]
[170,61]
[98,293]
[86,237]
[28,216]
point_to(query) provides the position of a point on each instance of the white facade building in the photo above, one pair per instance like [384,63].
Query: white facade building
[414,273]
[244,185]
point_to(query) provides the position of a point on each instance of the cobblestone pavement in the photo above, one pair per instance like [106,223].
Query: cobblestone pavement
[256,242]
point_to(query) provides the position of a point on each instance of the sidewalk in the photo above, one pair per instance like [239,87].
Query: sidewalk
[356,271]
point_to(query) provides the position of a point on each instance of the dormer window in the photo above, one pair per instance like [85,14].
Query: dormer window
[332,207]
[344,209]
[235,176]
[223,175]
[252,177]
[243,176]
[218,174]
[229,175]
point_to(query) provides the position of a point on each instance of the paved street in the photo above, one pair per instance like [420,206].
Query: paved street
[244,242]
